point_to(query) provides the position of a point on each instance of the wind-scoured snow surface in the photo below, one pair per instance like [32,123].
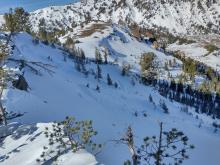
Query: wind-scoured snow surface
[180,17]
[65,93]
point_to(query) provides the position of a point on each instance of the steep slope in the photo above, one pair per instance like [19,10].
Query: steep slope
[25,145]
[62,91]
[177,17]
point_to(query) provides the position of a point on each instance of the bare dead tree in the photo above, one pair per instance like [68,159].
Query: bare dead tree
[128,140]
[166,148]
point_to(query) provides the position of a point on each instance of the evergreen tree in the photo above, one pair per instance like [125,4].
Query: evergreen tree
[106,56]
[148,67]
[168,145]
[151,98]
[164,106]
[98,88]
[125,69]
[166,66]
[69,134]
[21,17]
[116,85]
[10,23]
[42,34]
[109,80]
[98,56]
[171,145]
[17,20]
[69,44]
[98,72]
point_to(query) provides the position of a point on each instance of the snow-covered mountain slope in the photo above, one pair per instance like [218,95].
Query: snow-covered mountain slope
[63,91]
[25,145]
[199,53]
[180,17]
[122,47]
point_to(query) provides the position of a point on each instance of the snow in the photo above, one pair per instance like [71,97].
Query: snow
[31,5]
[63,93]
[197,52]
[119,43]
[178,17]
[25,145]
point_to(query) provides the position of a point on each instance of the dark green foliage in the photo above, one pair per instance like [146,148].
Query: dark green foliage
[109,80]
[106,56]
[148,67]
[70,44]
[42,34]
[211,48]
[164,106]
[98,56]
[69,134]
[150,98]
[171,145]
[17,20]
[216,126]
[166,66]
[98,73]
[116,85]
[5,77]
[185,41]
[125,69]
[98,88]
[146,61]
[46,35]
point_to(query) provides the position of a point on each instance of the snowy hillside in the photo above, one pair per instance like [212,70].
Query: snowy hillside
[63,91]
[199,53]
[123,69]
[180,17]
[26,144]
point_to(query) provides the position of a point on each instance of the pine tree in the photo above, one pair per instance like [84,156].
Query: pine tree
[172,145]
[151,98]
[42,34]
[125,69]
[116,85]
[98,72]
[98,88]
[98,56]
[69,134]
[149,67]
[164,106]
[69,44]
[109,80]
[166,66]
[106,56]
[10,23]
[17,20]
[168,145]
[21,17]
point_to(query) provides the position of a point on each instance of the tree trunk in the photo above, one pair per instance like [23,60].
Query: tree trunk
[130,141]
[2,110]
[158,156]
[135,159]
